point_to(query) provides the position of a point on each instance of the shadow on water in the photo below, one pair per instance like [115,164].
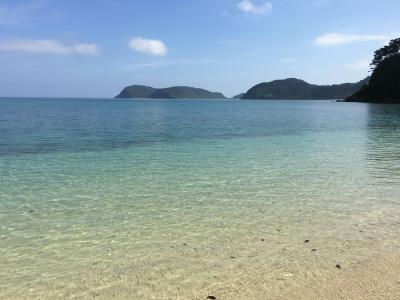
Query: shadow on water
[383,142]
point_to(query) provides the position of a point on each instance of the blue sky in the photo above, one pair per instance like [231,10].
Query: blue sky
[95,48]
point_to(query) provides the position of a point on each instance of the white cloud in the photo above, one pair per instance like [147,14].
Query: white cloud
[359,65]
[148,46]
[85,49]
[248,7]
[333,39]
[48,46]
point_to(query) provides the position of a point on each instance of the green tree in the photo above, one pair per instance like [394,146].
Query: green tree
[391,49]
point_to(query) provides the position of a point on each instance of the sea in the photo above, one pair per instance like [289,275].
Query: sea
[188,199]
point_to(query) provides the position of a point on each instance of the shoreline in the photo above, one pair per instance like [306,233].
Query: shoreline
[291,277]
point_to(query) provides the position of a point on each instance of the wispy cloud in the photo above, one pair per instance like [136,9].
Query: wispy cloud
[289,60]
[17,14]
[335,39]
[359,65]
[174,62]
[322,3]
[48,46]
[148,46]
[294,63]
[249,7]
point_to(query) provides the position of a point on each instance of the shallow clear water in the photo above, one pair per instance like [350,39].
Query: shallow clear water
[177,199]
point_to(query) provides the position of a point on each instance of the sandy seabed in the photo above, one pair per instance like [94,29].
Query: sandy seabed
[376,277]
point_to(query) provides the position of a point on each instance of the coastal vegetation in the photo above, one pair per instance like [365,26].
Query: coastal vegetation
[384,85]
[238,96]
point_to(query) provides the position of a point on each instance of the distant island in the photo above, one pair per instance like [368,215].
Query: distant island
[296,89]
[175,92]
[287,89]
[239,96]
[384,85]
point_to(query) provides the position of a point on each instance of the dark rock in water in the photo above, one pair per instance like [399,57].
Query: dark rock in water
[184,244]
[262,240]
[232,257]
[338,266]
[211,297]
[313,250]
[306,241]
[31,210]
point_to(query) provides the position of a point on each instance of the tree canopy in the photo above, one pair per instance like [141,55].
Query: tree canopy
[393,48]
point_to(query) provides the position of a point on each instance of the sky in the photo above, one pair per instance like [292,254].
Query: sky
[94,48]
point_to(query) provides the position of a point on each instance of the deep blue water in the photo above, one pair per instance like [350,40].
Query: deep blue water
[29,125]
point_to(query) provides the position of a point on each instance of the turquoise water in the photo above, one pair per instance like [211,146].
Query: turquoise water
[178,199]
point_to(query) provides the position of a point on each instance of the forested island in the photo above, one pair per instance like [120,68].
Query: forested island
[296,89]
[175,92]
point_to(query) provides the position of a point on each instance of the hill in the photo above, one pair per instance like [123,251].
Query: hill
[239,96]
[384,85]
[185,92]
[175,92]
[297,89]
[136,91]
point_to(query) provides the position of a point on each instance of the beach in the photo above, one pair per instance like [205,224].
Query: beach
[272,268]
